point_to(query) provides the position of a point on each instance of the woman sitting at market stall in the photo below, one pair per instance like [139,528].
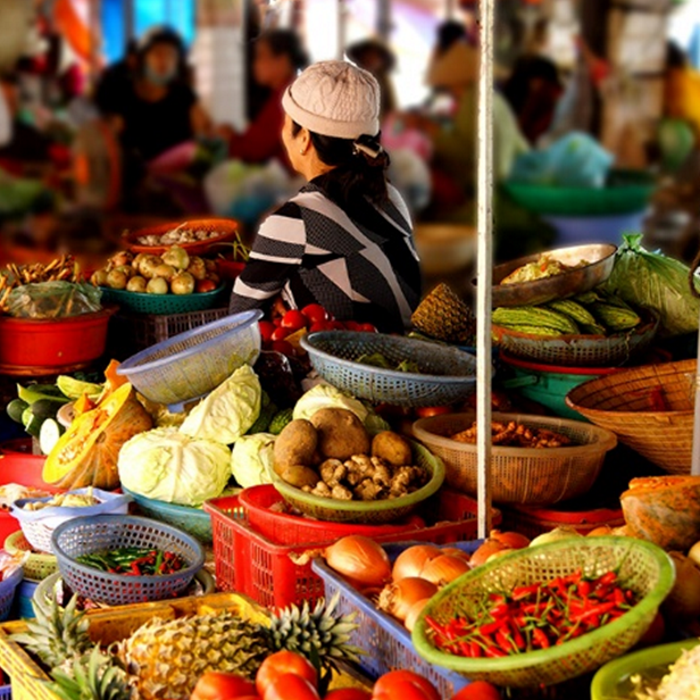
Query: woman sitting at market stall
[346,240]
[278,58]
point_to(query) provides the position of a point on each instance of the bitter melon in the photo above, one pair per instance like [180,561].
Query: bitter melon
[576,312]
[615,318]
[534,316]
[536,330]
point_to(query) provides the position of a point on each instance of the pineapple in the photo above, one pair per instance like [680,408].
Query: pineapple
[56,634]
[165,658]
[91,677]
[444,316]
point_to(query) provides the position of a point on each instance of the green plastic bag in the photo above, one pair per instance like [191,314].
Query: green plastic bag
[654,281]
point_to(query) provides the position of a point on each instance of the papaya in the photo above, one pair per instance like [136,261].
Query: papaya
[664,510]
[86,454]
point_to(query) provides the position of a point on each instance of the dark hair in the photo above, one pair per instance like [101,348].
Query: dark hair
[355,174]
[169,36]
[284,42]
[449,33]
[675,56]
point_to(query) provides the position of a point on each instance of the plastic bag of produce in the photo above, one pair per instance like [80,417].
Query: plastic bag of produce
[657,282]
[53,300]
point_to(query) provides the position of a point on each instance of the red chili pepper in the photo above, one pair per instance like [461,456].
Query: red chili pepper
[497,598]
[435,626]
[584,588]
[594,612]
[490,627]
[517,637]
[521,592]
[619,597]
[465,649]
[501,610]
[494,653]
[606,579]
[476,650]
[540,638]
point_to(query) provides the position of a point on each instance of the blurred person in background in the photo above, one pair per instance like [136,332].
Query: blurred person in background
[533,88]
[346,240]
[682,89]
[378,59]
[279,56]
[116,82]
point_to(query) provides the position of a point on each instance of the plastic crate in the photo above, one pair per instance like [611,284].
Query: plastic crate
[142,331]
[386,642]
[5,692]
[535,521]
[251,564]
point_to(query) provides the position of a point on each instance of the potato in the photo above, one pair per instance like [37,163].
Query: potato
[298,475]
[393,448]
[341,433]
[295,445]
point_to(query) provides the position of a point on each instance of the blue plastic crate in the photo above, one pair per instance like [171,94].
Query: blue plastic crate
[386,642]
[5,692]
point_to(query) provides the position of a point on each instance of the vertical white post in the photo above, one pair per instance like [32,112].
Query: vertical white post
[341,10]
[484,264]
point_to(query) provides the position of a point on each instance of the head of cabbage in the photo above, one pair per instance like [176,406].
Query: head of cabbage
[252,458]
[167,465]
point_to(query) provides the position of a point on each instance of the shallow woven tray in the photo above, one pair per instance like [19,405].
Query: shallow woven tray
[579,350]
[520,475]
[623,402]
[641,566]
[37,566]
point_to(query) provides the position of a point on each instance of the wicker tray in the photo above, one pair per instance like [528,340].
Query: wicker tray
[227,228]
[448,374]
[641,566]
[624,402]
[579,350]
[520,475]
[37,566]
[366,512]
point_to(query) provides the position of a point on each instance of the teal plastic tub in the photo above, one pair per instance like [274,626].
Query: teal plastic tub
[549,385]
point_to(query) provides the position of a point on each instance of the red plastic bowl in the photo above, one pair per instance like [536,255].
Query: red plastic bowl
[26,342]
[227,229]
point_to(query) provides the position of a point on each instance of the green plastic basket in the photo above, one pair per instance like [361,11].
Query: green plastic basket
[142,303]
[37,566]
[194,521]
[366,512]
[612,682]
[641,566]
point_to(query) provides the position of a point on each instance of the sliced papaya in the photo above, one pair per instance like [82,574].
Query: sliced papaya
[86,454]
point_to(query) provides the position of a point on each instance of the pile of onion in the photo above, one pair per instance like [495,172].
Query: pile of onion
[360,560]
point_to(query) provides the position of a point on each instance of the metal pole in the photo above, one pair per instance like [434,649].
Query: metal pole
[484,264]
[340,50]
[384,19]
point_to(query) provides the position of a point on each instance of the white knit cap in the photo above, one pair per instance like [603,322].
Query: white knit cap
[334,98]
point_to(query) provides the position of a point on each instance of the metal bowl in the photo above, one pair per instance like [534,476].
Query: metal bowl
[600,256]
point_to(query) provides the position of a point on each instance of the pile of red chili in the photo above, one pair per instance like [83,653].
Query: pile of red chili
[133,561]
[535,617]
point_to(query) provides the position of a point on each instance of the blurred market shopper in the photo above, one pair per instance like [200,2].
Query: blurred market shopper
[346,240]
[377,58]
[279,56]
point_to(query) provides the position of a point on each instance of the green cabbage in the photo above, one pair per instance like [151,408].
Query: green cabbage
[229,411]
[327,396]
[251,459]
[166,465]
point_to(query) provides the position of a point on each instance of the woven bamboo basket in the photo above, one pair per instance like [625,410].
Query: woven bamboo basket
[650,408]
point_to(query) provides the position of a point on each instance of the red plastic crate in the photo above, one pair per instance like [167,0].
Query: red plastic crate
[535,521]
[249,563]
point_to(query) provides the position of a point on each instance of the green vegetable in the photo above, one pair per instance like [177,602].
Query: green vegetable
[31,423]
[229,411]
[654,281]
[16,408]
[252,458]
[36,392]
[132,561]
[267,413]
[281,420]
[376,359]
[49,434]
[167,465]
[75,388]
[327,396]
[45,408]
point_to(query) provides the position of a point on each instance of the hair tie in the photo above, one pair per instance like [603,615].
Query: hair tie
[373,153]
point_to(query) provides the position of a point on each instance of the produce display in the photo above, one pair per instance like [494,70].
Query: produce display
[65,500]
[592,313]
[545,267]
[183,233]
[514,434]
[132,561]
[534,617]
[173,272]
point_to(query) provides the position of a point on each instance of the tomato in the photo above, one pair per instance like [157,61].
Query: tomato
[293,320]
[267,328]
[402,690]
[284,347]
[352,326]
[428,411]
[478,690]
[282,663]
[336,326]
[393,683]
[315,313]
[367,328]
[280,333]
[207,285]
[320,326]
[348,694]
[289,686]
[222,686]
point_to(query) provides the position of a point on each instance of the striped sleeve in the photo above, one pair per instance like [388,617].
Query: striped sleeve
[277,252]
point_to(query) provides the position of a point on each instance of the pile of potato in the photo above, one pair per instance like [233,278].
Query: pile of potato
[333,456]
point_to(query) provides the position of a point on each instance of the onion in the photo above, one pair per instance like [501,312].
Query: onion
[360,559]
[414,611]
[622,531]
[600,531]
[498,554]
[412,561]
[454,552]
[512,540]
[694,554]
[444,569]
[398,598]
[485,551]
[559,533]
[684,599]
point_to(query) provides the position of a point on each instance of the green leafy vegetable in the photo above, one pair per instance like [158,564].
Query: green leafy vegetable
[251,459]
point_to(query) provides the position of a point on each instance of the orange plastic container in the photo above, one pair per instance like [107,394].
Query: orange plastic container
[62,342]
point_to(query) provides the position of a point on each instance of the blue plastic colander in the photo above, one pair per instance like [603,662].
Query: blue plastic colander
[188,366]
